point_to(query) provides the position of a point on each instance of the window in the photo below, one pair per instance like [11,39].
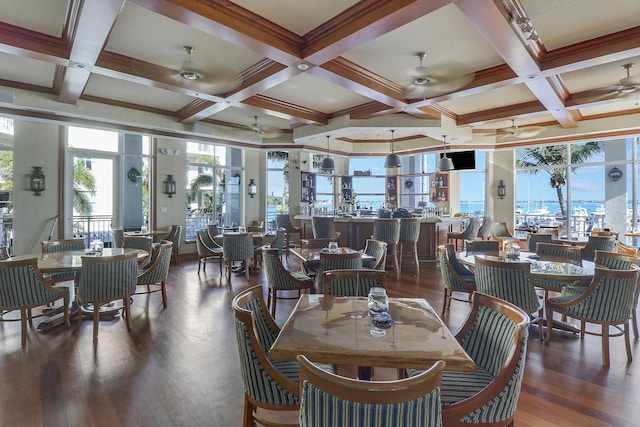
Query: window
[472,187]
[278,185]
[6,181]
[368,189]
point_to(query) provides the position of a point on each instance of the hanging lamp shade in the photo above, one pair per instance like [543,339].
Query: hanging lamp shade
[445,163]
[392,160]
[327,164]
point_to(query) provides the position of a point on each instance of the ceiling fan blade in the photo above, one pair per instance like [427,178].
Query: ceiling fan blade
[269,132]
[529,131]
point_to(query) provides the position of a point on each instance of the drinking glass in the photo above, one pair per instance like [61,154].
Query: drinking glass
[333,247]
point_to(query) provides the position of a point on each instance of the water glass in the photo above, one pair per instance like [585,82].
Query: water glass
[378,301]
[333,247]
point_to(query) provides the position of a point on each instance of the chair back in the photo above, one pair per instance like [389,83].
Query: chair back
[117,235]
[534,238]
[337,261]
[283,220]
[280,241]
[471,230]
[455,280]
[328,399]
[50,246]
[489,247]
[144,243]
[323,227]
[352,282]
[485,228]
[22,285]
[610,297]
[237,246]
[256,226]
[598,243]
[107,278]
[452,258]
[509,281]
[208,240]
[317,243]
[495,336]
[386,230]
[499,230]
[378,250]
[409,229]
[264,384]
[158,270]
[560,253]
[627,250]
[213,230]
[4,253]
[615,261]
[201,246]
[175,235]
[278,277]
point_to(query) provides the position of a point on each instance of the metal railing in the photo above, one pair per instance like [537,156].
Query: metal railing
[196,221]
[92,227]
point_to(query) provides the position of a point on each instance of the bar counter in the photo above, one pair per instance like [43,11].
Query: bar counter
[354,232]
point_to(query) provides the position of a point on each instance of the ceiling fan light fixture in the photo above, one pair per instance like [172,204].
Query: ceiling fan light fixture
[188,69]
[392,160]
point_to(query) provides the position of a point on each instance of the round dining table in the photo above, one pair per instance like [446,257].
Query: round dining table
[72,260]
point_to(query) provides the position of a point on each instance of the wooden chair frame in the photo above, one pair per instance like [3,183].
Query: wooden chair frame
[448,293]
[207,254]
[573,253]
[299,284]
[147,278]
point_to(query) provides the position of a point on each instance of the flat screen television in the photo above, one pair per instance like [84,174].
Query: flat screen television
[463,159]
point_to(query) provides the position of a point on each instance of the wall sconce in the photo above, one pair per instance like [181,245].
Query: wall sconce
[170,186]
[502,189]
[253,188]
[37,180]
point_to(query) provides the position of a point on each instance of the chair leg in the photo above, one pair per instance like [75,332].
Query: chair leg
[415,257]
[23,325]
[627,342]
[199,264]
[248,413]
[634,323]
[96,320]
[605,344]
[445,301]
[164,293]
[549,313]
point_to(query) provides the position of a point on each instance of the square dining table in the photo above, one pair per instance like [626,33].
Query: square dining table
[339,330]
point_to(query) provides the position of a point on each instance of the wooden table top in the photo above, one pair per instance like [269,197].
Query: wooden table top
[313,255]
[541,268]
[338,330]
[72,260]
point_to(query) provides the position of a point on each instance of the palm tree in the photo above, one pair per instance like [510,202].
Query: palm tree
[556,157]
[84,184]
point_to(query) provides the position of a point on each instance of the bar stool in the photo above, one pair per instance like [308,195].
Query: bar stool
[388,230]
[409,233]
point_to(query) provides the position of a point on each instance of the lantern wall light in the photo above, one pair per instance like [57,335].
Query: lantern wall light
[502,189]
[253,188]
[37,180]
[170,186]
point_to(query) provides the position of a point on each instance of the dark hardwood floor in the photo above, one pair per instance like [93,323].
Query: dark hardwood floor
[179,366]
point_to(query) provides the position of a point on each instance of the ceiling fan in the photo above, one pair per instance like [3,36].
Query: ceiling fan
[519,132]
[436,80]
[264,131]
[625,87]
[216,79]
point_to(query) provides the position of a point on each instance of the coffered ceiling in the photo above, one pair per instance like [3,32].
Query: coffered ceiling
[284,73]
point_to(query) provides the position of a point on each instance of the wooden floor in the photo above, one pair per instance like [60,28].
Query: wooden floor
[179,366]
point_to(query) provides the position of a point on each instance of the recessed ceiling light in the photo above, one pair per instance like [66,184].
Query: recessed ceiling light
[302,66]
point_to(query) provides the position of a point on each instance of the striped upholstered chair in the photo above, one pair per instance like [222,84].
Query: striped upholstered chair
[495,336]
[327,399]
[478,247]
[356,283]
[510,281]
[378,250]
[337,261]
[323,227]
[293,232]
[607,301]
[455,277]
[469,233]
[409,235]
[562,253]
[598,243]
[388,230]
[104,279]
[144,243]
[51,246]
[237,247]
[281,279]
[22,287]
[208,250]
[534,238]
[157,272]
[267,384]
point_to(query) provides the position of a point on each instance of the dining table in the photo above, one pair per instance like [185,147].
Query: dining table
[340,330]
[311,256]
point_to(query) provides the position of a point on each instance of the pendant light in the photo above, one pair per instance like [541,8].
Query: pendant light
[327,164]
[445,163]
[392,160]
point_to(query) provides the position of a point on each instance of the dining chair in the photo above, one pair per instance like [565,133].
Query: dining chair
[388,230]
[455,277]
[144,243]
[104,279]
[256,226]
[627,250]
[378,250]
[208,250]
[267,384]
[470,232]
[51,246]
[213,230]
[327,399]
[23,287]
[323,227]
[350,282]
[499,231]
[279,242]
[484,232]
[510,281]
[281,279]
[409,235]
[117,236]
[157,272]
[487,247]
[4,253]
[336,261]
[293,232]
[598,243]
[317,243]
[175,237]
[494,335]
[237,247]
[534,238]
[607,301]
[561,253]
